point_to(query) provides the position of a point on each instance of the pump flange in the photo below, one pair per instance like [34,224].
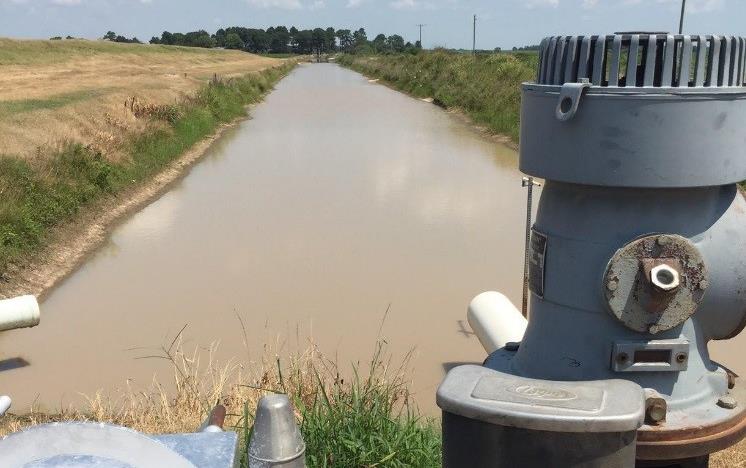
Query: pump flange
[655,283]
[695,440]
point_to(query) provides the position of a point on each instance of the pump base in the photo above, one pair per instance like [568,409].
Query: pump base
[695,441]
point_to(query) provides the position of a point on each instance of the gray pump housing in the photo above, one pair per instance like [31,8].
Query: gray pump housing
[638,252]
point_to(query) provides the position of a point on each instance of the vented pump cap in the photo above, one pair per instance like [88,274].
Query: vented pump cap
[637,110]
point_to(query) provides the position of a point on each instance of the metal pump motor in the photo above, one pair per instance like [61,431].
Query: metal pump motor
[637,261]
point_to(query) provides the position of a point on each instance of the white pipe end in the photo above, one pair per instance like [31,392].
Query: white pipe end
[19,312]
[495,320]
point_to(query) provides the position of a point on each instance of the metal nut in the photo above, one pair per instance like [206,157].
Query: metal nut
[681,358]
[655,410]
[731,380]
[727,402]
[664,277]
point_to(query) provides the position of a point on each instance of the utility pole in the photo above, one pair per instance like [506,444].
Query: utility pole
[474,37]
[681,19]
[420,26]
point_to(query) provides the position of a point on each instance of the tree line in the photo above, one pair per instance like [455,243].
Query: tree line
[281,40]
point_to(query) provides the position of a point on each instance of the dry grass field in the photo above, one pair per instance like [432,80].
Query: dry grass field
[53,92]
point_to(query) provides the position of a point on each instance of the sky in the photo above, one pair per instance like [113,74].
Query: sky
[448,23]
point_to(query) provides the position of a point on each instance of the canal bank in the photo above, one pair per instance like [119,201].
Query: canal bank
[255,244]
[338,201]
[57,212]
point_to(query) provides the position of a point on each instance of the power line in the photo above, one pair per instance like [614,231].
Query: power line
[681,19]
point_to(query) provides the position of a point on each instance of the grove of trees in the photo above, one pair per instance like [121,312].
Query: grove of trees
[114,37]
[281,40]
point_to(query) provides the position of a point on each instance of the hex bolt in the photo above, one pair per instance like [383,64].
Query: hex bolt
[727,402]
[731,380]
[655,410]
[681,358]
[664,277]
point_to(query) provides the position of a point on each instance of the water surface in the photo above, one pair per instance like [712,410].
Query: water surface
[339,199]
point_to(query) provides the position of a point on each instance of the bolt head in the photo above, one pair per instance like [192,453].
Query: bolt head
[665,278]
[727,402]
[655,410]
[731,380]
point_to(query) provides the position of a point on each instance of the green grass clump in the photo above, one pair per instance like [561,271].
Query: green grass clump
[37,195]
[364,425]
[485,86]
[369,421]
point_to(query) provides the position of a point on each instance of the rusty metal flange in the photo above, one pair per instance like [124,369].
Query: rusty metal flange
[659,443]
[655,283]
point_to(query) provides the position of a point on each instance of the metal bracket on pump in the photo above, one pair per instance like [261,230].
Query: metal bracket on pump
[569,99]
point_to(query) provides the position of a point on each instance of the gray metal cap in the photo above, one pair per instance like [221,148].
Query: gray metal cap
[276,439]
[491,396]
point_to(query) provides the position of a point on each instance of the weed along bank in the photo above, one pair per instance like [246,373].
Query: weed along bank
[299,296]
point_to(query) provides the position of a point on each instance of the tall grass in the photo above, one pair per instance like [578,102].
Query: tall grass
[365,419]
[485,86]
[38,194]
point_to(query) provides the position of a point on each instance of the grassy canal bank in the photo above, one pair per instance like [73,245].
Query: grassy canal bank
[107,141]
[486,86]
[363,417]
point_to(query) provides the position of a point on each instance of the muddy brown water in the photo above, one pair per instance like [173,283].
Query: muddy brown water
[338,200]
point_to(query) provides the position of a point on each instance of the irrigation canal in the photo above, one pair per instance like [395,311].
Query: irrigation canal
[339,200]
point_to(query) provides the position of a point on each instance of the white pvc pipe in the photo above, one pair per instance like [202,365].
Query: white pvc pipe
[19,312]
[495,320]
[4,404]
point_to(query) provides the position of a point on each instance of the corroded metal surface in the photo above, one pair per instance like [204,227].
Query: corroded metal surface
[634,293]
[659,442]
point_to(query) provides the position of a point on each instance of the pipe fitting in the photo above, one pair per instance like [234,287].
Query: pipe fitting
[664,278]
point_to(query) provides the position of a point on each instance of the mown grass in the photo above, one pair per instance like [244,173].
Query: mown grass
[485,86]
[34,52]
[40,193]
[363,419]
[54,102]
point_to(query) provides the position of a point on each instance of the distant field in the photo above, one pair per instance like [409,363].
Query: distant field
[52,92]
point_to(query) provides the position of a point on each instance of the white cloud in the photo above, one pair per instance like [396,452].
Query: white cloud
[588,4]
[704,6]
[541,3]
[411,5]
[282,4]
[289,4]
[66,2]
[354,3]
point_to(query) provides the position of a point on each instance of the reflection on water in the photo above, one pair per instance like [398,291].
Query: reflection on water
[338,198]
